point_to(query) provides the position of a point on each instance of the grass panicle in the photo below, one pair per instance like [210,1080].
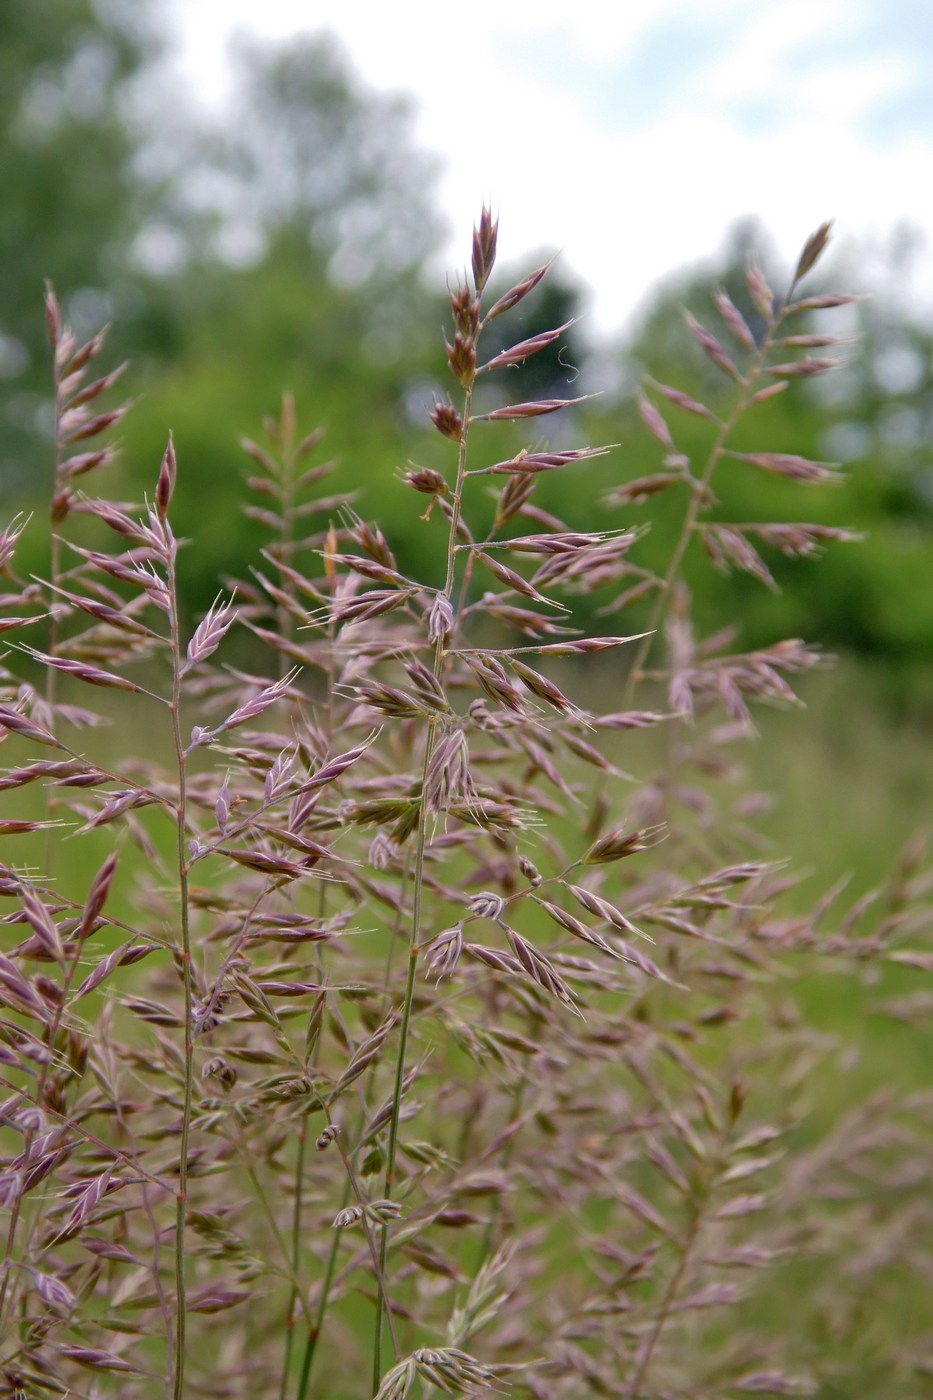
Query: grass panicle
[398,996]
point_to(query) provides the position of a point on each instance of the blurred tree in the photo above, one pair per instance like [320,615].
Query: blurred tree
[306,223]
[281,245]
[885,402]
[70,209]
[313,149]
[277,246]
[281,324]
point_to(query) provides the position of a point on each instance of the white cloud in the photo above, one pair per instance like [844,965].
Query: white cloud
[627,206]
[761,56]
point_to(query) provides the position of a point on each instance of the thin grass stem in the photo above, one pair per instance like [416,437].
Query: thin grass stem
[699,495]
[418,877]
[184,956]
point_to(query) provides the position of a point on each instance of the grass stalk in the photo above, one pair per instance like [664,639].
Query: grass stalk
[669,1298]
[314,1332]
[289,1325]
[184,957]
[699,497]
[417,877]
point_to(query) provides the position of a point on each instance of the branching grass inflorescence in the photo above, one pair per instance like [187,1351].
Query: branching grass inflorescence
[397,1036]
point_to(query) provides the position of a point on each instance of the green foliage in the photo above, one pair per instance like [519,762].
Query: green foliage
[71,202]
[280,323]
[319,191]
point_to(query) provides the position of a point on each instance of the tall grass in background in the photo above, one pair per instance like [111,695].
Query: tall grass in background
[397,1039]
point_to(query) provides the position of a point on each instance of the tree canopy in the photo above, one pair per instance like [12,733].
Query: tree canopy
[280,245]
[71,203]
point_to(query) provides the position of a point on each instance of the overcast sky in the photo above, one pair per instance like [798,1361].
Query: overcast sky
[632,135]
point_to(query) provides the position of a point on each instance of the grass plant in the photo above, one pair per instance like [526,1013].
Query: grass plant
[402,1041]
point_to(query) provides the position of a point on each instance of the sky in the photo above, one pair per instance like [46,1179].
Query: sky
[632,137]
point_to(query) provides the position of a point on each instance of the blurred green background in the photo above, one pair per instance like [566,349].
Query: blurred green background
[288,251]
